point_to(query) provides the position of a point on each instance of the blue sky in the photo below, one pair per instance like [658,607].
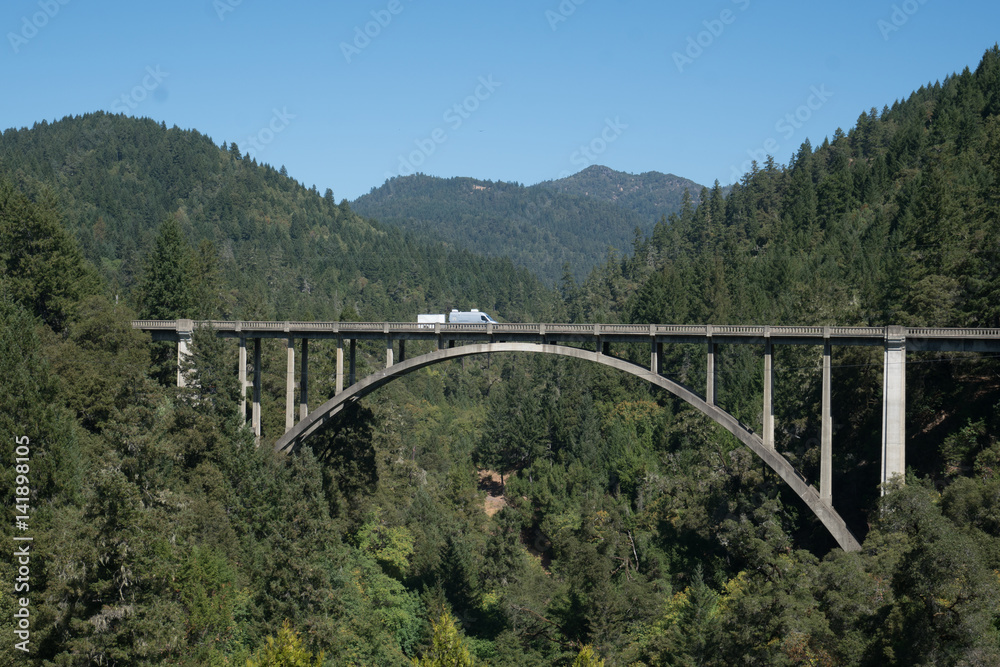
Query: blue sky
[348,94]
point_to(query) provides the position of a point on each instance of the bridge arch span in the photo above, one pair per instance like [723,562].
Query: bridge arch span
[825,512]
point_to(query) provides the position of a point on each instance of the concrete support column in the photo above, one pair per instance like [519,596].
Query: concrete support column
[768,434]
[243,379]
[304,381]
[185,330]
[255,411]
[388,345]
[290,385]
[340,366]
[352,361]
[894,405]
[710,374]
[659,358]
[402,350]
[654,357]
[826,435]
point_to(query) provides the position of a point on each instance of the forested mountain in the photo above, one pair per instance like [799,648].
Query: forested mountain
[278,249]
[650,194]
[621,527]
[545,227]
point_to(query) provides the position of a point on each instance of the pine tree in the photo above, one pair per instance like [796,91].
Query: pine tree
[448,649]
[285,650]
[167,289]
[39,260]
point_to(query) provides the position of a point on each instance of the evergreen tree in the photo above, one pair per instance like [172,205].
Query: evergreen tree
[39,261]
[168,280]
[447,646]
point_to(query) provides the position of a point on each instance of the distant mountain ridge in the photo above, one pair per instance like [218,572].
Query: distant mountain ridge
[544,227]
[289,251]
[651,194]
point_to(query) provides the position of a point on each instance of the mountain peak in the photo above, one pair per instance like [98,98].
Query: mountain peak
[650,194]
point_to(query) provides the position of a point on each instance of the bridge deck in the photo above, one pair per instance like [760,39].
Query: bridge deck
[917,338]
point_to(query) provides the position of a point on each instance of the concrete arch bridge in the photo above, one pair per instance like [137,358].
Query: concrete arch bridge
[591,342]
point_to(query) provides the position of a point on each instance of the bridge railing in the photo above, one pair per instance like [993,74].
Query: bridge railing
[155,325]
[513,327]
[590,329]
[932,332]
[796,331]
[746,330]
[869,332]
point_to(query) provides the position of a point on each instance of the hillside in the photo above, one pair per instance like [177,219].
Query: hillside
[651,194]
[538,227]
[896,221]
[284,251]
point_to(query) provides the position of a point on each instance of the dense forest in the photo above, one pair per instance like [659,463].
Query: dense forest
[510,510]
[555,228]
[280,250]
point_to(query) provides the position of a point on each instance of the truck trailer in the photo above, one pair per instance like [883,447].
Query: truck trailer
[428,320]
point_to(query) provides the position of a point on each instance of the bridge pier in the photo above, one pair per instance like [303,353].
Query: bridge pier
[290,385]
[340,366]
[352,360]
[768,435]
[243,379]
[826,432]
[185,331]
[710,373]
[255,410]
[894,405]
[304,381]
